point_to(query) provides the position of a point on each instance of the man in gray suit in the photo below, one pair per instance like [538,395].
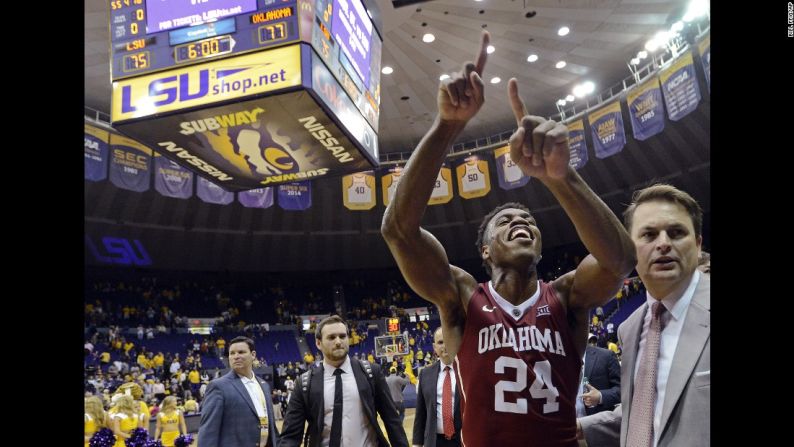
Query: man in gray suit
[665,225]
[429,419]
[237,410]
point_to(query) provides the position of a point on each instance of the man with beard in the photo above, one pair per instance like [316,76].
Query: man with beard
[340,397]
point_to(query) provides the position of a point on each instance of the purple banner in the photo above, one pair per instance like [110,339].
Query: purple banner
[295,196]
[96,154]
[256,198]
[129,164]
[172,180]
[606,128]
[646,110]
[680,87]
[162,15]
[509,174]
[212,193]
[577,144]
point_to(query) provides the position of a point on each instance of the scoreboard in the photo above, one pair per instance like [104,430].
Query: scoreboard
[248,93]
[154,35]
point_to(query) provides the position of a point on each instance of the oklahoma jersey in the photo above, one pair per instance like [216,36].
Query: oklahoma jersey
[518,372]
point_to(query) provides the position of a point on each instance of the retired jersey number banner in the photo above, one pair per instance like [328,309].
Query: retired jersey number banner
[358,191]
[473,177]
[442,190]
[389,183]
[510,175]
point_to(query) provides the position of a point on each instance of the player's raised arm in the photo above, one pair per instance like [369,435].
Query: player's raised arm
[421,258]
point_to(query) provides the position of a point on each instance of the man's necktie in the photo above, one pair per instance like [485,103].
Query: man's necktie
[336,424]
[446,405]
[644,400]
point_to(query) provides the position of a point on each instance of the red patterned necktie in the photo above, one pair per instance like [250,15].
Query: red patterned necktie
[446,405]
[644,400]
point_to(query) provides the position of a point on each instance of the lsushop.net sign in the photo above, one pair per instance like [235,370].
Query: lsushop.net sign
[118,251]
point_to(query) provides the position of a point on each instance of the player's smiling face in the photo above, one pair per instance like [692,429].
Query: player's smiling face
[513,235]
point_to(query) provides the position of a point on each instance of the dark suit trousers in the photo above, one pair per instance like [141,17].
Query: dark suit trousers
[442,441]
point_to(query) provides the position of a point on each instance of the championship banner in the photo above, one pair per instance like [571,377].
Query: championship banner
[96,153]
[704,47]
[442,190]
[473,177]
[646,110]
[256,198]
[129,164]
[509,174]
[172,180]
[680,87]
[212,193]
[389,183]
[606,128]
[358,191]
[577,144]
[295,196]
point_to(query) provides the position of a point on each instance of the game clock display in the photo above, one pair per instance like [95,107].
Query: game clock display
[155,35]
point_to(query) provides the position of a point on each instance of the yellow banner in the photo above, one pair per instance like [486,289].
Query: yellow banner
[612,108]
[358,191]
[207,83]
[96,132]
[681,62]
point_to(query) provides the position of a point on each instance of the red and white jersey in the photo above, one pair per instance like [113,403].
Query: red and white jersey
[518,372]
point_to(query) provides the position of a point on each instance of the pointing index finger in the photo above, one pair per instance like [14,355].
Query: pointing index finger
[482,56]
[517,104]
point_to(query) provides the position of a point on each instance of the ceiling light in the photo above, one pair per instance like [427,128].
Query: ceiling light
[651,45]
[696,9]
[677,26]
[560,64]
[428,38]
[490,49]
[563,31]
[569,98]
[443,76]
[589,87]
[387,70]
[561,102]
[532,58]
[642,54]
[635,61]
[496,80]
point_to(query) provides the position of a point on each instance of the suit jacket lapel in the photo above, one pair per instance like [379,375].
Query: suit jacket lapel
[318,395]
[363,391]
[631,344]
[694,335]
[238,385]
[589,361]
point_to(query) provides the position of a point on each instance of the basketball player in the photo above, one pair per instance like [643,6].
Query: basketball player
[518,341]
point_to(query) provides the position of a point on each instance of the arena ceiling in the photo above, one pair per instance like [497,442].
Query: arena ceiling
[604,35]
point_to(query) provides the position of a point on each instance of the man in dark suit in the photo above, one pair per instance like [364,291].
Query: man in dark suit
[429,427]
[341,386]
[666,371]
[602,371]
[237,410]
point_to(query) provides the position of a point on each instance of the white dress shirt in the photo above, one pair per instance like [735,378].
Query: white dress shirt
[356,429]
[677,305]
[440,395]
[256,393]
